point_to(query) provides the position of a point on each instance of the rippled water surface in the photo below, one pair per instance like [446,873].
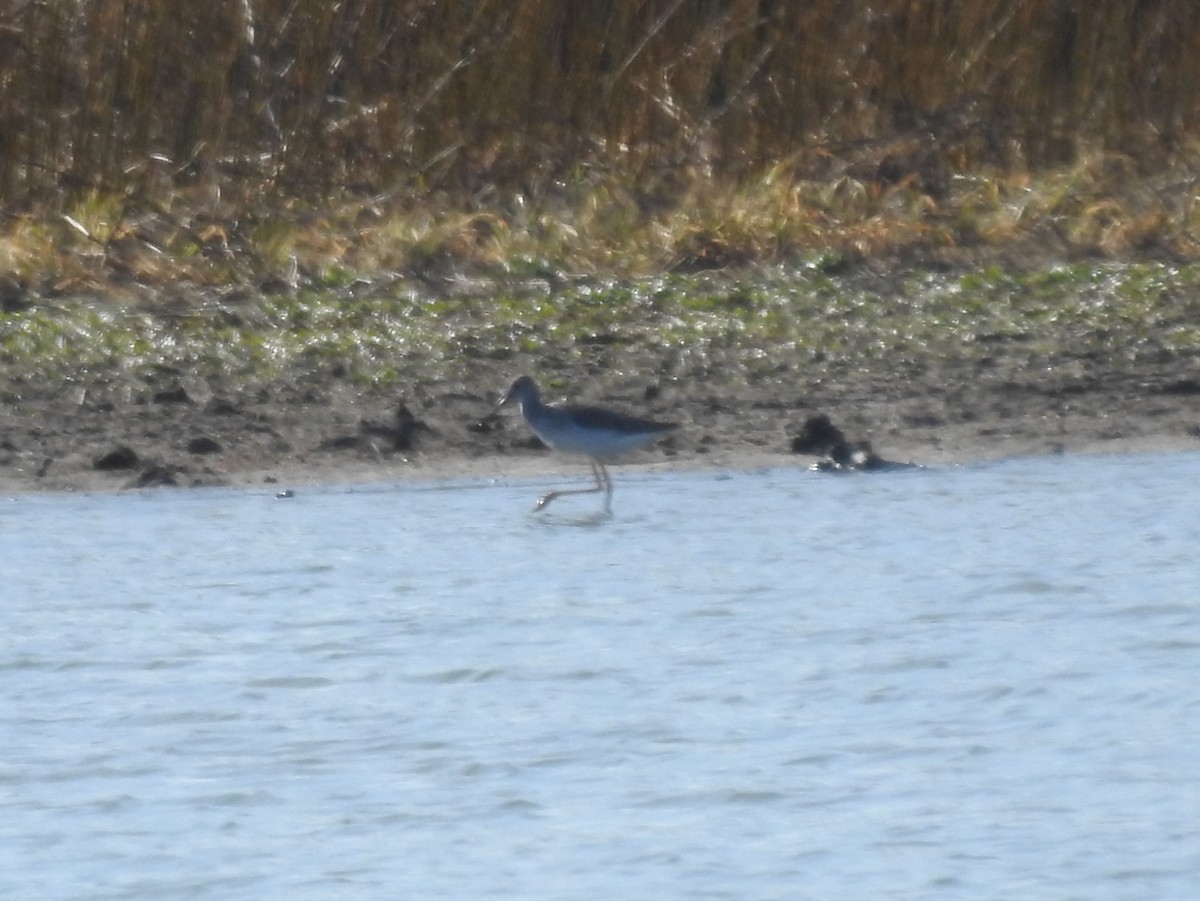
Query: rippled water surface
[978,682]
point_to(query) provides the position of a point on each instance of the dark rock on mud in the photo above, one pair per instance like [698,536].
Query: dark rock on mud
[122,457]
[204,445]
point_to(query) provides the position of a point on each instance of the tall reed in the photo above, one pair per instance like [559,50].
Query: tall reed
[305,97]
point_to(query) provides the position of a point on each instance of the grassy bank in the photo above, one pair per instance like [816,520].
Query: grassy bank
[249,232]
[152,151]
[130,249]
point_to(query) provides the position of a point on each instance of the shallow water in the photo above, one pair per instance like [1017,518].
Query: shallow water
[974,682]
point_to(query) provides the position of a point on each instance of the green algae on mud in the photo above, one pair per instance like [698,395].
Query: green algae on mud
[908,355]
[383,336]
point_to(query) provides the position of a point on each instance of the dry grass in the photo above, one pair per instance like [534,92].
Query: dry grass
[276,142]
[125,247]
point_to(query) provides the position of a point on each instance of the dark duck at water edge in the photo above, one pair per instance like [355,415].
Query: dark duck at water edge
[592,432]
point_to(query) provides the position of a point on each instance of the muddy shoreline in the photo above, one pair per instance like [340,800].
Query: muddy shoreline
[381,383]
[80,437]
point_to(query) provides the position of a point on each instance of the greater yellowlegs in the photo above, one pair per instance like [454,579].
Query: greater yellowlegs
[592,432]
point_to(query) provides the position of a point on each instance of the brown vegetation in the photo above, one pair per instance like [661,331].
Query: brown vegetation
[310,96]
[268,140]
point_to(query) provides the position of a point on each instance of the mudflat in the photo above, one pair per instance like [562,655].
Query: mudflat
[983,392]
